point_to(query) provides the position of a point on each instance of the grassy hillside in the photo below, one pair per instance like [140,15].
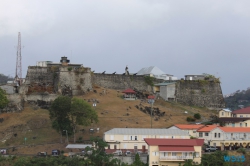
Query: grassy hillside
[34,124]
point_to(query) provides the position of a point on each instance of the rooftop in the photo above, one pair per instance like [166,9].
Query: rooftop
[235,129]
[207,128]
[146,131]
[128,91]
[188,126]
[242,111]
[233,119]
[174,142]
[164,83]
[150,70]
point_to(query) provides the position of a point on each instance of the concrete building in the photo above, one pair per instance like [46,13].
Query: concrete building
[9,89]
[64,62]
[133,138]
[237,118]
[43,63]
[171,152]
[191,129]
[194,77]
[155,72]
[166,90]
[225,138]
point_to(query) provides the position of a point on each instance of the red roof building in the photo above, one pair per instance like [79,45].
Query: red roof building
[173,151]
[129,94]
[242,111]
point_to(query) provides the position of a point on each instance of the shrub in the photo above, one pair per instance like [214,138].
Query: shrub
[69,68]
[241,150]
[197,116]
[190,119]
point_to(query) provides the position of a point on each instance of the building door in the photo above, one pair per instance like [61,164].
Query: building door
[115,147]
[143,148]
[135,148]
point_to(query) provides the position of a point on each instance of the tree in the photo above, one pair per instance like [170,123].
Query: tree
[59,111]
[3,99]
[81,113]
[98,156]
[138,161]
[66,113]
[197,116]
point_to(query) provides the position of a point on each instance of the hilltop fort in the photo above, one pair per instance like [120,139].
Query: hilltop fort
[47,80]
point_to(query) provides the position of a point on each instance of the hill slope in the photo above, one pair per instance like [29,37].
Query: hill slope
[113,112]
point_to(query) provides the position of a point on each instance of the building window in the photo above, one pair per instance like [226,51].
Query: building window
[200,134]
[245,124]
[219,135]
[131,137]
[240,124]
[233,124]
[194,131]
[241,116]
[206,134]
[214,144]
[215,135]
[136,138]
[222,113]
[173,153]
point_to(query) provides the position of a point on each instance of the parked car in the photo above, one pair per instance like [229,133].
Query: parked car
[210,149]
[118,152]
[42,154]
[127,153]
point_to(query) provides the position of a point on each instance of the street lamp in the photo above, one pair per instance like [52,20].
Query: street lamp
[67,135]
[151,100]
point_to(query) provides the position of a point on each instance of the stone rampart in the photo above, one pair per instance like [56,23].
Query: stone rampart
[122,82]
[200,93]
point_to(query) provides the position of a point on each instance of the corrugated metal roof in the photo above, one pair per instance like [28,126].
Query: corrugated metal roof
[227,110]
[150,70]
[78,146]
[145,131]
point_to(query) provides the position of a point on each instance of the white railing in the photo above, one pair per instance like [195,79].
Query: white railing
[175,157]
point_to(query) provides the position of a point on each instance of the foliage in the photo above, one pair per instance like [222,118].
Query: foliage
[214,159]
[137,161]
[188,162]
[81,113]
[67,113]
[3,99]
[197,116]
[192,137]
[240,97]
[98,156]
[149,80]
[241,150]
[69,68]
[4,78]
[190,119]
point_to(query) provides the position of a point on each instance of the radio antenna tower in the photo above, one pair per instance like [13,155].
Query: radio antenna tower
[19,60]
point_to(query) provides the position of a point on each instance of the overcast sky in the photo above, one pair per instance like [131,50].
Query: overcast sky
[180,37]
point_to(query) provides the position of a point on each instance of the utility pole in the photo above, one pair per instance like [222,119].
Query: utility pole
[18,76]
[151,101]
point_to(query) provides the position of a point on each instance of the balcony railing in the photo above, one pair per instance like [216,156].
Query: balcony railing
[175,157]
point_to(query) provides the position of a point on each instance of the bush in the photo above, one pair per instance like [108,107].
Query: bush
[241,150]
[197,116]
[190,119]
[69,68]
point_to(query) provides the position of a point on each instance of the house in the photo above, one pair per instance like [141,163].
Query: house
[171,152]
[166,90]
[133,138]
[225,113]
[191,129]
[225,138]
[237,118]
[194,77]
[155,72]
[129,94]
[244,112]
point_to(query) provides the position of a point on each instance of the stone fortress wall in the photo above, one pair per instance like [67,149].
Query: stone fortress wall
[47,83]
